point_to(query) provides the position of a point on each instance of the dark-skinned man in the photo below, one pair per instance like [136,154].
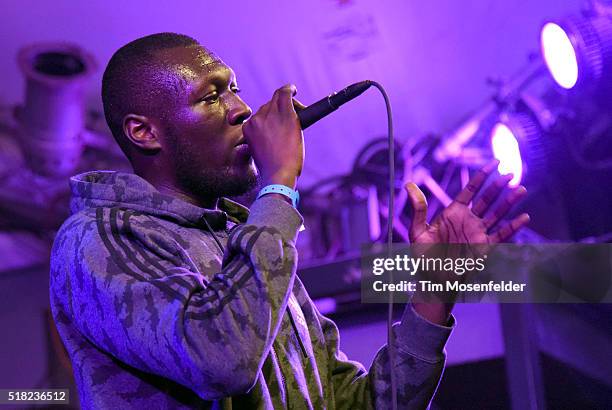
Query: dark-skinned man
[169,296]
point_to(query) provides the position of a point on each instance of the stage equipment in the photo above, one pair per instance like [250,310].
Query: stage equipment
[507,92]
[53,115]
[50,137]
[344,212]
[520,141]
[578,49]
[516,123]
[559,55]
[504,142]
[509,127]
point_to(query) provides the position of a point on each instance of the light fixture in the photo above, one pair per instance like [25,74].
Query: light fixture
[505,146]
[516,141]
[559,55]
[577,50]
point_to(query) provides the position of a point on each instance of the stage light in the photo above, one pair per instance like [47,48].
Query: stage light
[516,141]
[506,149]
[559,55]
[578,51]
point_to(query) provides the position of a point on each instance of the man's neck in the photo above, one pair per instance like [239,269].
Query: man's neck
[170,189]
[208,203]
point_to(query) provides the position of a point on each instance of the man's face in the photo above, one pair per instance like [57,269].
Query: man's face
[203,130]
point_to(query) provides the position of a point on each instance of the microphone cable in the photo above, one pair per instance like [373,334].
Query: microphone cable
[391,214]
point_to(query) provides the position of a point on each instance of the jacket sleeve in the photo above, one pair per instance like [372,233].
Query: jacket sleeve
[418,366]
[147,307]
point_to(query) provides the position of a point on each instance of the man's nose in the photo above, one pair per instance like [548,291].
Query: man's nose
[239,112]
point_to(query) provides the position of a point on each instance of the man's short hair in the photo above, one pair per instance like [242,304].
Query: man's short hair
[137,81]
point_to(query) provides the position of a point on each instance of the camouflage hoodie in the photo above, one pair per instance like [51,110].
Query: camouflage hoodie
[165,305]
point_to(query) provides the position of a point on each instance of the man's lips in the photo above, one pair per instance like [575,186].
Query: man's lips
[241,141]
[243,149]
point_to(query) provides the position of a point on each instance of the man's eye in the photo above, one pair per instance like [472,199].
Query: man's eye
[211,98]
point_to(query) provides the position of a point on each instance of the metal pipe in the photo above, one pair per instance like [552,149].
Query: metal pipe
[453,142]
[52,117]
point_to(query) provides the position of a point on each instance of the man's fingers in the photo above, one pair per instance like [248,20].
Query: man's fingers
[283,97]
[490,195]
[504,207]
[509,229]
[475,183]
[419,208]
[262,112]
[281,100]
[298,106]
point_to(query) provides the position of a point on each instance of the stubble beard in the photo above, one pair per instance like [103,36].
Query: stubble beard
[213,183]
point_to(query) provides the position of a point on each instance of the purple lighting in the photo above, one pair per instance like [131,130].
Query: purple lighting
[559,55]
[506,149]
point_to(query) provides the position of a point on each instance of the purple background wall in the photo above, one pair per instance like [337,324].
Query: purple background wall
[432,56]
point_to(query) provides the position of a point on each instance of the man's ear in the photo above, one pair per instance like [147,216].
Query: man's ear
[142,132]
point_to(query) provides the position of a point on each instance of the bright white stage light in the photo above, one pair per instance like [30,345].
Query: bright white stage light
[559,55]
[506,149]
[519,143]
[578,51]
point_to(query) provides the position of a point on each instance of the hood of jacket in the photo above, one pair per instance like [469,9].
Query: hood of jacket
[125,190]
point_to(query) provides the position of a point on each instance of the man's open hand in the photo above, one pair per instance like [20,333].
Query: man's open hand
[459,223]
[476,226]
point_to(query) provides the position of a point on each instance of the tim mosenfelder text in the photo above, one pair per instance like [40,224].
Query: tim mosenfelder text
[434,266]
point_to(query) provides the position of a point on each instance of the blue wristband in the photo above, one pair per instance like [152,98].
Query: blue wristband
[283,190]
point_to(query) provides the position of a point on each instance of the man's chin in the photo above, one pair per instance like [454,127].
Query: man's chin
[240,181]
[220,183]
[243,185]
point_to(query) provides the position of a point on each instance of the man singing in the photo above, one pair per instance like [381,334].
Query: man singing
[169,296]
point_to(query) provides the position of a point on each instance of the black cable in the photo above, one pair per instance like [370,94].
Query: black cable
[213,235]
[391,213]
